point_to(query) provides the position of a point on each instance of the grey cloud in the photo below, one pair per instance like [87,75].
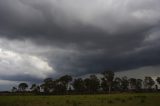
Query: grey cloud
[83,36]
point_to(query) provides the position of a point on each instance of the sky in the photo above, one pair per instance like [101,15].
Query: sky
[51,38]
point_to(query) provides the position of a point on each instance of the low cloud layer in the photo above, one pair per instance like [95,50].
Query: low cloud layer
[43,38]
[15,64]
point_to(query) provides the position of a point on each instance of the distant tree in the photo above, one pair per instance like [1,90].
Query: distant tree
[104,84]
[158,80]
[132,83]
[47,85]
[35,88]
[124,83]
[87,85]
[92,83]
[64,82]
[95,83]
[65,79]
[156,87]
[109,76]
[56,86]
[59,87]
[139,84]
[78,85]
[148,82]
[14,89]
[117,84]
[22,87]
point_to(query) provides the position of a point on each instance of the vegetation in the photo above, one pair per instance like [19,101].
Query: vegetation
[91,85]
[109,76]
[126,99]
[148,83]
[66,92]
[22,87]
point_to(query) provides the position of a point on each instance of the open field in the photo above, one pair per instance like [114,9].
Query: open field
[143,99]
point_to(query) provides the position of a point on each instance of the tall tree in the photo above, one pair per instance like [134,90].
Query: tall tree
[87,82]
[139,84]
[92,83]
[104,84]
[132,83]
[65,79]
[124,83]
[109,75]
[95,83]
[63,83]
[14,89]
[22,87]
[59,87]
[78,85]
[117,84]
[47,85]
[148,82]
[35,88]
[158,80]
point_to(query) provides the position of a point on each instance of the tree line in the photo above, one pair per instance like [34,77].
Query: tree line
[107,84]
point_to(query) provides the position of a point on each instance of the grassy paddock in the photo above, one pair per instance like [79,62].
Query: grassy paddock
[135,99]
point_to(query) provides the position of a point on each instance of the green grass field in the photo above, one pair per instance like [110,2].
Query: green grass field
[142,99]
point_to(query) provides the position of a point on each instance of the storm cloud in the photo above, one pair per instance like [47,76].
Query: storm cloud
[44,38]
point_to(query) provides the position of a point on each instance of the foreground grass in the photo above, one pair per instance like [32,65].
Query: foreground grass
[143,99]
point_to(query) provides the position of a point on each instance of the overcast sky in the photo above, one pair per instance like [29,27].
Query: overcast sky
[50,38]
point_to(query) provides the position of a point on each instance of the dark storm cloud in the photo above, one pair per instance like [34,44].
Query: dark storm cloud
[93,35]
